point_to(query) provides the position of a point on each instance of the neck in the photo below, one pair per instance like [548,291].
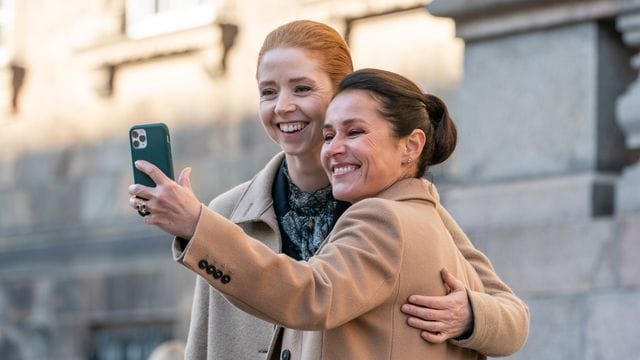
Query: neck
[307,172]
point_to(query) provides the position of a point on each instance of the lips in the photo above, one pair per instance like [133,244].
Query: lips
[292,127]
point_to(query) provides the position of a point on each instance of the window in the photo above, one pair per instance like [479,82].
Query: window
[6,29]
[153,17]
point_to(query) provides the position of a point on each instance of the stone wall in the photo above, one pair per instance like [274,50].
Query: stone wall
[80,276]
[544,180]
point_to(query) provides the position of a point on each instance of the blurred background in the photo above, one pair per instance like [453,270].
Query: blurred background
[545,179]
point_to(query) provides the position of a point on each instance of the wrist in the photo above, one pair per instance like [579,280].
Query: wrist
[468,331]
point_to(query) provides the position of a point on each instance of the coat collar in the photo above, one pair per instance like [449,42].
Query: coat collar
[412,189]
[257,199]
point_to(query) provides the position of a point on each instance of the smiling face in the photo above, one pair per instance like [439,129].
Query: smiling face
[294,95]
[360,153]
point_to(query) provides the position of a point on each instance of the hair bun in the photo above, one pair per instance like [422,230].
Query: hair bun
[436,108]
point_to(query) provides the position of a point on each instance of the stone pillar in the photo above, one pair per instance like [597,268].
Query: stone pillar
[537,136]
[628,111]
[548,115]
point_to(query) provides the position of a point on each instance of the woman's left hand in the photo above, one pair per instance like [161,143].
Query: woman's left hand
[172,206]
[441,317]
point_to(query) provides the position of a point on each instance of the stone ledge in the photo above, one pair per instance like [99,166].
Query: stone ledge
[464,9]
[553,259]
[538,201]
[481,19]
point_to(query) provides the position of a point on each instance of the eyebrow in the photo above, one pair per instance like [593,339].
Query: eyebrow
[301,79]
[291,81]
[265,83]
[346,122]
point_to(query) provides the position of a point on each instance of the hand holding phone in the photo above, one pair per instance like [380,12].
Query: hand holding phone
[176,210]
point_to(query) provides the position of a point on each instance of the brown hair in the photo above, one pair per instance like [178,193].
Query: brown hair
[322,41]
[407,108]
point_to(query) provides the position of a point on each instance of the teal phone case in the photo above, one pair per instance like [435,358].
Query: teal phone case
[150,142]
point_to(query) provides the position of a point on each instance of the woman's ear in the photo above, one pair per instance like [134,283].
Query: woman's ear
[414,143]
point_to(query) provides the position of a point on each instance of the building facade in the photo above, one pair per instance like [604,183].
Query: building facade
[545,178]
[80,276]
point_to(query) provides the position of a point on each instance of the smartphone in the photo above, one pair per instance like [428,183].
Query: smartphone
[150,142]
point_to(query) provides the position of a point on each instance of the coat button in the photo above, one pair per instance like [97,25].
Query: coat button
[211,269]
[225,279]
[217,274]
[202,264]
[286,354]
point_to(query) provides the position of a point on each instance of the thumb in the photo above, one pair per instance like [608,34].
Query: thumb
[185,178]
[451,281]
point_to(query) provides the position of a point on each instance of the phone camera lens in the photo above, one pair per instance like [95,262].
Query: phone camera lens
[136,143]
[134,134]
[143,138]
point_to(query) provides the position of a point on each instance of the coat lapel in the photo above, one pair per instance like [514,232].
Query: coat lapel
[256,203]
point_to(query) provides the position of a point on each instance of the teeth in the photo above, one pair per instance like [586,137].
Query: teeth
[292,127]
[343,169]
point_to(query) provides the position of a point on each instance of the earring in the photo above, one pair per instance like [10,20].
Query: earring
[408,161]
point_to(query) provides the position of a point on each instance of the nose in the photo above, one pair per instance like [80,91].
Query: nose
[285,104]
[333,147]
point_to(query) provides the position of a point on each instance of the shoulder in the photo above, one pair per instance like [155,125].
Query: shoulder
[393,214]
[371,213]
[405,195]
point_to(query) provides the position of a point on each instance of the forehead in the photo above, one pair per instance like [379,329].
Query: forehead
[293,62]
[353,104]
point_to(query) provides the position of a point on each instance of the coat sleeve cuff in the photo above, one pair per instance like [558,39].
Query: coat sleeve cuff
[179,246]
[472,338]
[487,332]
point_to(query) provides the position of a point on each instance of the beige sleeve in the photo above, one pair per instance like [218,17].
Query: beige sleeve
[501,319]
[319,294]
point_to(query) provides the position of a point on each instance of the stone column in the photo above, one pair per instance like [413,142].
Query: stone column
[541,178]
[628,111]
[535,110]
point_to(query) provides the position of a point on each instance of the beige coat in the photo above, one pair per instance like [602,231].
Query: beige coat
[220,331]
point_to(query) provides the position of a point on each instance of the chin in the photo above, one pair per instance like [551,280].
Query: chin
[343,196]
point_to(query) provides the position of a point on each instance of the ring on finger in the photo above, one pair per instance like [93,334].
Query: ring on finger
[141,205]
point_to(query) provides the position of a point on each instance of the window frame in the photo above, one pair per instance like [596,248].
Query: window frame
[146,18]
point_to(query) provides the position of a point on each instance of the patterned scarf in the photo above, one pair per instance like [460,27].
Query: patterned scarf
[310,217]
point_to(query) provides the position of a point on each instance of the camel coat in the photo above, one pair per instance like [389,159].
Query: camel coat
[220,331]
